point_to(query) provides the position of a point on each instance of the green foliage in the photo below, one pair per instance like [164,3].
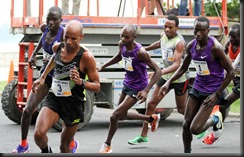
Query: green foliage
[2,85]
[213,8]
[233,9]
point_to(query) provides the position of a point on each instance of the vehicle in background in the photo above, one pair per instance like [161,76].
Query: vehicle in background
[102,29]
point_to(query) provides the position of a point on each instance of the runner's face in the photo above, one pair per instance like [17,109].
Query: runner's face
[234,37]
[201,31]
[170,28]
[126,37]
[72,38]
[53,20]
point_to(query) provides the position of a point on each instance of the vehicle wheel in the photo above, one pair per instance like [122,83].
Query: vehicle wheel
[164,112]
[9,105]
[88,111]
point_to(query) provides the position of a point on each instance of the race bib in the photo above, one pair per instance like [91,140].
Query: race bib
[168,55]
[201,67]
[61,88]
[127,63]
[46,55]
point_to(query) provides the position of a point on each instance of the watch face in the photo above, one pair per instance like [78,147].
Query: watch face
[83,83]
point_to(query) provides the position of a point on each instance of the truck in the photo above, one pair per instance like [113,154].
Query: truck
[102,24]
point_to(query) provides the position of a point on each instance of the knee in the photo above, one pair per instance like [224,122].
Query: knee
[27,112]
[38,134]
[114,118]
[195,129]
[186,125]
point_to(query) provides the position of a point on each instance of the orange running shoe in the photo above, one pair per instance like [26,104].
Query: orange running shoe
[210,139]
[154,124]
[105,148]
[215,109]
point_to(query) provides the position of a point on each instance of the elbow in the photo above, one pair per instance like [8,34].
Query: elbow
[232,74]
[98,87]
[158,72]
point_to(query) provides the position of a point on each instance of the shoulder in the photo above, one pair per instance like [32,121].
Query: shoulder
[217,44]
[43,27]
[143,53]
[190,44]
[55,47]
[87,54]
[120,44]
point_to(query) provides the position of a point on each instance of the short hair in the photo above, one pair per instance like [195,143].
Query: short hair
[131,28]
[237,27]
[202,19]
[56,9]
[173,17]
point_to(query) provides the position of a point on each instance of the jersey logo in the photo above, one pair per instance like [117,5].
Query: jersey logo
[202,57]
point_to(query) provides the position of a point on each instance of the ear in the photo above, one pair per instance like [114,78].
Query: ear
[82,36]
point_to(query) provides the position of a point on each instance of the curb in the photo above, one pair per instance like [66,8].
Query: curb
[231,114]
[235,115]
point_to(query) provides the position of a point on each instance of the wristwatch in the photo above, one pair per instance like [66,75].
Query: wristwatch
[83,83]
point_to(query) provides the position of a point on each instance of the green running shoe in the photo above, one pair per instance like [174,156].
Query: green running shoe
[201,135]
[138,140]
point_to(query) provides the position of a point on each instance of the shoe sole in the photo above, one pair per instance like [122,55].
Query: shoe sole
[27,151]
[137,143]
[210,143]
[16,152]
[200,137]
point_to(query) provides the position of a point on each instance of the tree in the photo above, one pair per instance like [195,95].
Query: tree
[213,8]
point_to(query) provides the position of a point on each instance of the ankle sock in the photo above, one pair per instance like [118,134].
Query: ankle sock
[72,144]
[24,143]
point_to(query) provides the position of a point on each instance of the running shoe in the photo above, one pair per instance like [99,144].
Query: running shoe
[154,124]
[138,140]
[73,150]
[201,135]
[105,148]
[48,151]
[21,149]
[210,139]
[218,125]
[215,109]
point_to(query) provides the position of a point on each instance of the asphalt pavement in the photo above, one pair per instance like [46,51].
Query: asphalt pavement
[166,141]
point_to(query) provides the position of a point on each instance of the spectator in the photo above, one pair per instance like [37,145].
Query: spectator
[152,4]
[75,8]
[183,7]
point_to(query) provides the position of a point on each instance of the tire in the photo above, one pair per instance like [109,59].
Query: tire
[88,111]
[164,112]
[9,103]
